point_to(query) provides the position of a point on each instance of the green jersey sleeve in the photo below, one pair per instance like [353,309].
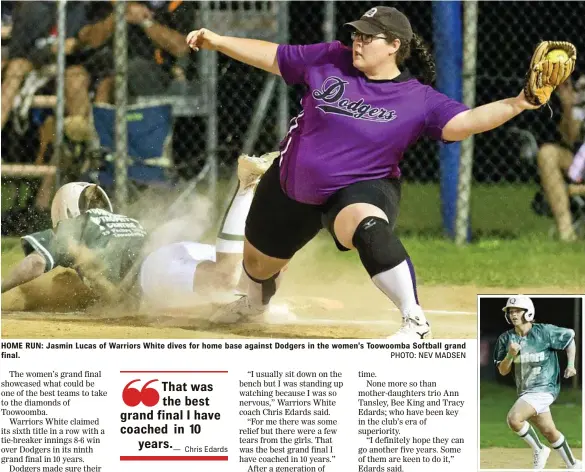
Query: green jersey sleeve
[559,337]
[55,246]
[97,243]
[501,348]
[67,237]
[41,242]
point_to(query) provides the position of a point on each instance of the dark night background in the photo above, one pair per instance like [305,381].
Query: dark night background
[507,34]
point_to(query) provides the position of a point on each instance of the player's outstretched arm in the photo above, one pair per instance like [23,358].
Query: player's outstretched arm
[571,353]
[31,267]
[485,117]
[254,52]
[552,64]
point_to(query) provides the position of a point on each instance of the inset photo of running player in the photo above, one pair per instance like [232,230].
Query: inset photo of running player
[530,393]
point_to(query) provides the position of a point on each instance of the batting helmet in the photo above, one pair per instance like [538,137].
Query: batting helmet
[523,302]
[76,198]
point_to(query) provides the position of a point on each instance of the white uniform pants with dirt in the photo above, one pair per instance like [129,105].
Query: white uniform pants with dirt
[167,274]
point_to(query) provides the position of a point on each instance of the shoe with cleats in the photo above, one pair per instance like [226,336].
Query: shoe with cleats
[239,311]
[414,326]
[251,168]
[539,458]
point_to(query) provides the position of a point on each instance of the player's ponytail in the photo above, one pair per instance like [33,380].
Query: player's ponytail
[419,56]
[424,58]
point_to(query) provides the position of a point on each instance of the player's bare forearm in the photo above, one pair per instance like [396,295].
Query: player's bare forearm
[254,52]
[505,366]
[571,353]
[483,118]
[97,34]
[31,267]
[168,39]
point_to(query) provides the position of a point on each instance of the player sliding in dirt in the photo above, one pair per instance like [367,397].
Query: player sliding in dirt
[531,348]
[106,252]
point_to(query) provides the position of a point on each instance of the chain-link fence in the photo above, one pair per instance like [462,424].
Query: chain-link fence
[513,154]
[105,92]
[190,114]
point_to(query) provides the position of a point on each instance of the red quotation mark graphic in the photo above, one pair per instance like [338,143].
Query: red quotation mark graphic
[148,395]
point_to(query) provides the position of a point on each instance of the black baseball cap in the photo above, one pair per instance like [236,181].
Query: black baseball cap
[382,20]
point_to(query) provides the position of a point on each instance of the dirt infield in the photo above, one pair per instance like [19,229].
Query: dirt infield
[348,311]
[521,458]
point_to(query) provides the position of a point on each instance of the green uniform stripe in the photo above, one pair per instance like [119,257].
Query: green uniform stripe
[40,248]
[231,237]
[565,447]
[225,215]
[534,436]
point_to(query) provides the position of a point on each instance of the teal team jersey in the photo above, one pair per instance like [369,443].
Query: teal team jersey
[98,239]
[536,368]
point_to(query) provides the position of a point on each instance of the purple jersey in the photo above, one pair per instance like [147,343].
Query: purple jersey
[351,128]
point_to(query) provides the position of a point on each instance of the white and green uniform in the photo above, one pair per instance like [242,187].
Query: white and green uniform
[114,242]
[536,368]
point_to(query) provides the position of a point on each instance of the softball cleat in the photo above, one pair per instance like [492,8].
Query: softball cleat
[240,311]
[251,168]
[539,458]
[414,326]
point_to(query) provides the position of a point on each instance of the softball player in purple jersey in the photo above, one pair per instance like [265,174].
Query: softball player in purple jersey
[339,162]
